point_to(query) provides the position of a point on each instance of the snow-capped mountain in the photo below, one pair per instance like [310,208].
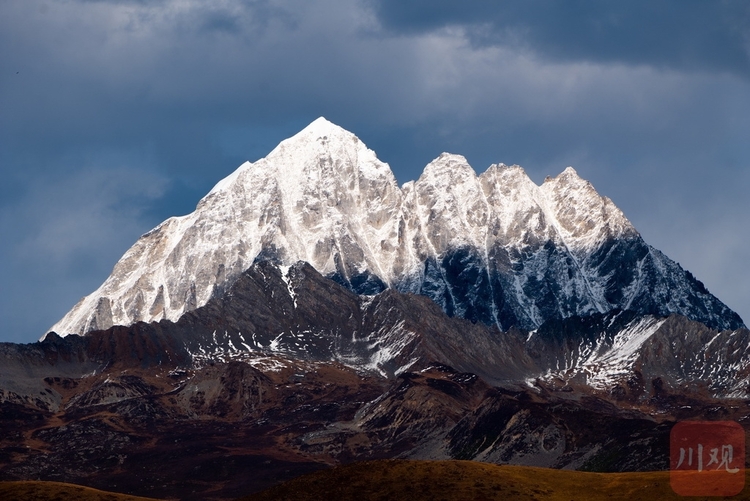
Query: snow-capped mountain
[494,248]
[311,311]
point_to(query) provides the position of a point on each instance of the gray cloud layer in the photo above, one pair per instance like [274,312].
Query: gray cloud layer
[119,114]
[678,34]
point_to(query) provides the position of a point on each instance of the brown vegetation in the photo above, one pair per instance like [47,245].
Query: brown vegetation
[58,491]
[397,480]
[401,480]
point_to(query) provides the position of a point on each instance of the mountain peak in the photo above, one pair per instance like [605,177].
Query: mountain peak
[320,138]
[321,122]
[570,171]
[566,177]
[448,166]
[500,169]
[322,127]
[476,245]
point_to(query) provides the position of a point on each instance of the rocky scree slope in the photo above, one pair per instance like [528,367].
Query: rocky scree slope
[273,311]
[288,372]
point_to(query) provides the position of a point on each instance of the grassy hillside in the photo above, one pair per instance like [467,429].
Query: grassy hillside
[57,491]
[397,480]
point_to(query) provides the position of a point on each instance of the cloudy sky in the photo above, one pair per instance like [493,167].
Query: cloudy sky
[116,114]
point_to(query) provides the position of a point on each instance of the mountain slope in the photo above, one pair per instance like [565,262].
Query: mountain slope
[288,372]
[44,491]
[463,480]
[295,313]
[494,248]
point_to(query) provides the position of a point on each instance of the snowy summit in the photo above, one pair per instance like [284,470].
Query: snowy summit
[494,248]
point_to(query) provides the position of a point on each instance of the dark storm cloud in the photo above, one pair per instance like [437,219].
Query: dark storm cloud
[181,91]
[65,229]
[683,34]
[125,2]
[174,95]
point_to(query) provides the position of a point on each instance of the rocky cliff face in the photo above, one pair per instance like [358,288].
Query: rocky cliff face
[288,371]
[493,248]
[296,313]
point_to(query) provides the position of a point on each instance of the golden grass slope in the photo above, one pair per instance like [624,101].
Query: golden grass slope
[401,480]
[58,491]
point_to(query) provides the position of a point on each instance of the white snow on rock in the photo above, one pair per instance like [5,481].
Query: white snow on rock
[323,197]
[605,366]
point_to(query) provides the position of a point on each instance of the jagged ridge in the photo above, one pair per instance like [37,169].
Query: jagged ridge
[278,311]
[494,248]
